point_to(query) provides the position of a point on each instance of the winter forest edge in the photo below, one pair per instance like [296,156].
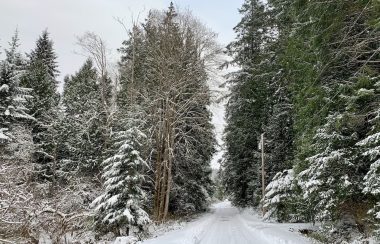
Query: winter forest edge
[122,150]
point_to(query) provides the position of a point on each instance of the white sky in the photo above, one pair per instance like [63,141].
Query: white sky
[66,19]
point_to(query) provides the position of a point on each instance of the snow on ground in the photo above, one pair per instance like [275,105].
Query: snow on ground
[225,224]
[125,240]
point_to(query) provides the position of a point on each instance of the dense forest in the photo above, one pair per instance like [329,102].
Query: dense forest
[309,81]
[114,151]
[121,149]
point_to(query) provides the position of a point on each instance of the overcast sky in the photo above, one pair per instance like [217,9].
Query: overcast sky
[67,19]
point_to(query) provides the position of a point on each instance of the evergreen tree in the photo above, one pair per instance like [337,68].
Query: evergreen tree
[13,97]
[279,196]
[121,206]
[247,106]
[164,85]
[132,68]
[82,101]
[328,180]
[333,169]
[279,133]
[41,77]
[369,151]
[192,185]
[317,63]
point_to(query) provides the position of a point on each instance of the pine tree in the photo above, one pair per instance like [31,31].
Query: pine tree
[338,108]
[132,67]
[121,206]
[278,128]
[247,106]
[372,178]
[366,101]
[13,97]
[279,196]
[280,199]
[82,101]
[318,67]
[192,186]
[41,77]
[328,179]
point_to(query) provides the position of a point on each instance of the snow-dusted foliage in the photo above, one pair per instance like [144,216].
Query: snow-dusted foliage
[13,97]
[247,107]
[84,139]
[371,151]
[371,146]
[40,76]
[3,135]
[26,210]
[121,206]
[278,195]
[164,71]
[126,240]
[326,181]
[372,179]
[372,186]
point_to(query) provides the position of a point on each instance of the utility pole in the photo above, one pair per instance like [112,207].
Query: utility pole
[261,146]
[262,165]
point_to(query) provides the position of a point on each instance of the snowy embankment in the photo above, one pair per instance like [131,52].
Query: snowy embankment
[225,224]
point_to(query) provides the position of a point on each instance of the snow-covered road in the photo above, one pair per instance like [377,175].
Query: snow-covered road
[225,224]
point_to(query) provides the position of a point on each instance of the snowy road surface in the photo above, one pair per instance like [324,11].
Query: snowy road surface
[227,225]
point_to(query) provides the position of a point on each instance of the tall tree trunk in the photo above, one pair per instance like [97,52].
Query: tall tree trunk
[164,163]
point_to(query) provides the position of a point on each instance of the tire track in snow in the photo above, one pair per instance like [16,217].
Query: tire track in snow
[227,225]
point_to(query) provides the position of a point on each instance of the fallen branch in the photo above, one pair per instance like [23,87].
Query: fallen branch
[5,241]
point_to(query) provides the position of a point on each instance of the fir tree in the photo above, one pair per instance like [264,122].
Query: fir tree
[192,186]
[13,97]
[121,206]
[328,179]
[41,75]
[279,195]
[247,106]
[82,101]
[317,63]
[279,132]
[346,89]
